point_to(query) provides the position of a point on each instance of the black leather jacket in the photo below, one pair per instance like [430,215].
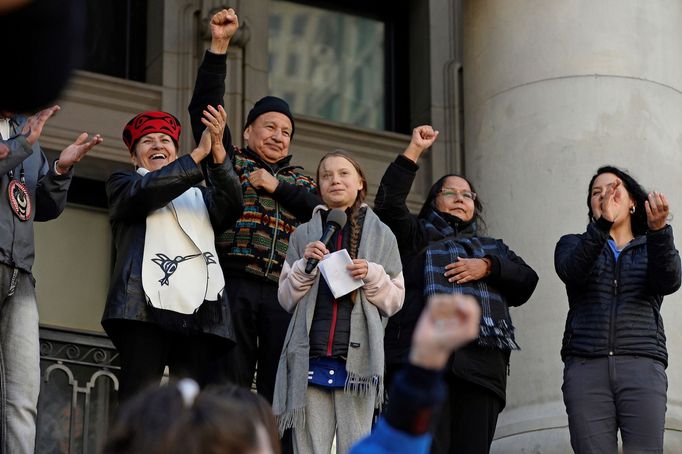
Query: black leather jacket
[614,305]
[131,198]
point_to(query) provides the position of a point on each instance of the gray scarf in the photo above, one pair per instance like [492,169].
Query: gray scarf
[365,362]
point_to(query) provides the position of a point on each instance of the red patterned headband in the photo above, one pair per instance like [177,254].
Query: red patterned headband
[150,122]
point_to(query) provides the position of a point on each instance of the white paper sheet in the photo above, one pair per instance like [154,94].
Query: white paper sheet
[339,279]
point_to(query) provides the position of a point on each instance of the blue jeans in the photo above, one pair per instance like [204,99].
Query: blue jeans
[19,361]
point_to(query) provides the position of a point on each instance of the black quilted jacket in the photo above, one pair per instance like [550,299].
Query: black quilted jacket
[614,305]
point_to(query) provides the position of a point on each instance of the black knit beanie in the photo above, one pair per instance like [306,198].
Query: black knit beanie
[270,104]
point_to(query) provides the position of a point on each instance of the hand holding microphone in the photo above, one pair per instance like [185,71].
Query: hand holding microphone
[314,252]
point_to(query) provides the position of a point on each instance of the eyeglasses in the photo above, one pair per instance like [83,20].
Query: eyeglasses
[454,194]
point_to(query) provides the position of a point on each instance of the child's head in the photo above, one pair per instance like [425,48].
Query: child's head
[341,181]
[258,407]
[167,420]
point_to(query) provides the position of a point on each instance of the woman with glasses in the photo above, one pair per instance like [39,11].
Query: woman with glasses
[614,352]
[442,251]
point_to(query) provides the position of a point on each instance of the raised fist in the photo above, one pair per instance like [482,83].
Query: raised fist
[423,136]
[224,25]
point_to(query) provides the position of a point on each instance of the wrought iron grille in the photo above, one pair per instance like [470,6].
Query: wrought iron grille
[78,393]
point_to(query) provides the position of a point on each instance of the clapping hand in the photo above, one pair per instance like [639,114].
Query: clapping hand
[35,123]
[215,121]
[204,148]
[75,152]
[609,203]
[657,210]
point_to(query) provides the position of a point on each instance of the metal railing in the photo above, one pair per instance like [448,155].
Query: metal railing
[78,392]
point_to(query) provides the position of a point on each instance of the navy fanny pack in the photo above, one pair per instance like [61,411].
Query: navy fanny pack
[327,372]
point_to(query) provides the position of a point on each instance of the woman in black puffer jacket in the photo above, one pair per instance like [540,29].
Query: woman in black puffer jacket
[443,252]
[616,274]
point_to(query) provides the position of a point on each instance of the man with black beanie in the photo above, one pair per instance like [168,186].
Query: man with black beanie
[277,198]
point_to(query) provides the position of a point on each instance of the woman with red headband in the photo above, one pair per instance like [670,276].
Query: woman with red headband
[167,303]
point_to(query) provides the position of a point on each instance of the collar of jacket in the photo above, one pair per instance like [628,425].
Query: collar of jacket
[460,227]
[15,123]
[636,241]
[279,165]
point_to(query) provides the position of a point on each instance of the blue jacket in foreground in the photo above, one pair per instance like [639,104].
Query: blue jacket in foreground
[415,394]
[386,439]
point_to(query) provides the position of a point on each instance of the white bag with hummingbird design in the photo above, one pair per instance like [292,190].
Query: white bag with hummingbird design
[180,268]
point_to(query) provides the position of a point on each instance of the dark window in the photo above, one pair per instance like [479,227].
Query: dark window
[116,38]
[342,61]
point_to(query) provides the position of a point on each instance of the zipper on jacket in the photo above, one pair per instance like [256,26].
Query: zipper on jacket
[14,224]
[332,329]
[273,245]
[274,239]
[335,305]
[612,319]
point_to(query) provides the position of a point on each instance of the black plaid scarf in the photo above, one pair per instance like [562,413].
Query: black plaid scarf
[444,248]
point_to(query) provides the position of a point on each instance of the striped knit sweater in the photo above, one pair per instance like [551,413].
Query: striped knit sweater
[257,244]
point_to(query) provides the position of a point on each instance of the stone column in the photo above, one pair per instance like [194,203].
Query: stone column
[553,89]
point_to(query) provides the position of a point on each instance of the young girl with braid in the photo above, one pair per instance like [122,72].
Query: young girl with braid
[330,375]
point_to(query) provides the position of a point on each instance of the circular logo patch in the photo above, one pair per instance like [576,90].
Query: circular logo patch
[19,200]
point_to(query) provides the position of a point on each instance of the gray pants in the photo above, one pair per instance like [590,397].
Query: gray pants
[333,412]
[603,395]
[19,361]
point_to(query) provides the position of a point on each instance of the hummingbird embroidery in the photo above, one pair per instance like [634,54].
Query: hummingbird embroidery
[168,265]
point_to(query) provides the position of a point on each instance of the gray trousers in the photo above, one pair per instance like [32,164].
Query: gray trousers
[603,395]
[333,412]
[19,361]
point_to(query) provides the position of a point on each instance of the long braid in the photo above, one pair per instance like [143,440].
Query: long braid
[355,228]
[355,235]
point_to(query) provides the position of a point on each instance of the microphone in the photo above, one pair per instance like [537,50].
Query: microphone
[335,221]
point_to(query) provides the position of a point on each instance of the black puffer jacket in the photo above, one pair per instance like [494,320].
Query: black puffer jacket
[330,327]
[614,305]
[131,198]
[510,276]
